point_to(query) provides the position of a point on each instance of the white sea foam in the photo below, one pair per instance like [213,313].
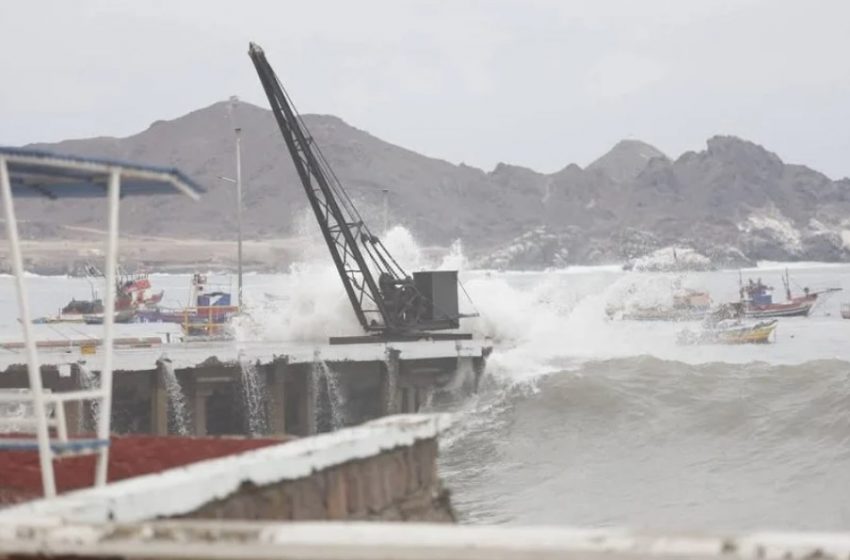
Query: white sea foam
[538,321]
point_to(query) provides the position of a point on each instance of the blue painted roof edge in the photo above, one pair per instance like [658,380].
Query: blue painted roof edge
[173,171]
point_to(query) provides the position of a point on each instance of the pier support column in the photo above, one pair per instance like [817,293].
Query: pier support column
[408,400]
[467,375]
[306,400]
[74,417]
[390,390]
[276,383]
[199,409]
[159,404]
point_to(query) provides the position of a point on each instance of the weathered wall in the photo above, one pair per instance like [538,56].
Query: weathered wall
[383,469]
[397,485]
[302,398]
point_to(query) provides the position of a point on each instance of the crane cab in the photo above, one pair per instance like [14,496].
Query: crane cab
[439,290]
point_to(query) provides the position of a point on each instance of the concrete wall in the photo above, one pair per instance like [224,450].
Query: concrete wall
[301,398]
[397,485]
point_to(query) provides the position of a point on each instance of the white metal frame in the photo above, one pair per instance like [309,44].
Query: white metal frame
[47,451]
[102,168]
[45,454]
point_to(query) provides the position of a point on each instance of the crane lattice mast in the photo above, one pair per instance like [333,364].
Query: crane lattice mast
[384,297]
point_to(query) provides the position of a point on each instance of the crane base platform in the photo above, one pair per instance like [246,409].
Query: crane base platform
[379,338]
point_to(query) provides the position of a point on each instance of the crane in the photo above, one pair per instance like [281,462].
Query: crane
[387,301]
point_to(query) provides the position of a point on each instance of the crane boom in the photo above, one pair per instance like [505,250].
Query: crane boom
[384,298]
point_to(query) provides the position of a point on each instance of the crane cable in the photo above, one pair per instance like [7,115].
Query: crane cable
[337,187]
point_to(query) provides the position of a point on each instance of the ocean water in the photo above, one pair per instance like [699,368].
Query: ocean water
[583,420]
[588,421]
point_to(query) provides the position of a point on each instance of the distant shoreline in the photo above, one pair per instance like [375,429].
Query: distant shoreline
[57,271]
[70,257]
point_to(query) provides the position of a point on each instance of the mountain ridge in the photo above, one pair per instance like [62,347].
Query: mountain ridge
[733,198]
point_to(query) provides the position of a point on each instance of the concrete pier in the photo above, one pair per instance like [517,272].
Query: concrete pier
[390,389]
[303,386]
[381,470]
[259,540]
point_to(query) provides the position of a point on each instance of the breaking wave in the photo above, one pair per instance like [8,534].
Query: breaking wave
[658,444]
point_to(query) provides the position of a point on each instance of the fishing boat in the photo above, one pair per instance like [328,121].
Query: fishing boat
[77,309]
[845,310]
[132,292]
[207,314]
[122,316]
[758,300]
[731,332]
[688,305]
[725,325]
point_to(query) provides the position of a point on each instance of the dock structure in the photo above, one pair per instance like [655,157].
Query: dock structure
[205,388]
[409,541]
[385,469]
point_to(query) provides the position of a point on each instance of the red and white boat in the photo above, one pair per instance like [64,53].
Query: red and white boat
[758,300]
[133,293]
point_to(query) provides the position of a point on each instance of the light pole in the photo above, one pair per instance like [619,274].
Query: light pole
[238,182]
[238,232]
[238,132]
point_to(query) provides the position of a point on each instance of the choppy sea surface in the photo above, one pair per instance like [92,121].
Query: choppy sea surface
[583,420]
[591,422]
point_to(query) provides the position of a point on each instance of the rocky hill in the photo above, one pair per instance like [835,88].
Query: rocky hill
[626,160]
[733,201]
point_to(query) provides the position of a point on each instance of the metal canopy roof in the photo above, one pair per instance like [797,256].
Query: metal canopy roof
[41,173]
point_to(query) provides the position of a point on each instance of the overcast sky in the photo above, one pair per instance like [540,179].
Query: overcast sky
[534,83]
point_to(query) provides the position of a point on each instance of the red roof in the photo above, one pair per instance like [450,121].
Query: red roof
[129,456]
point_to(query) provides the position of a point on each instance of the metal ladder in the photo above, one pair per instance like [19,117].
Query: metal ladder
[44,403]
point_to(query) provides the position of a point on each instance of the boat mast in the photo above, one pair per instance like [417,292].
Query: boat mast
[787,281]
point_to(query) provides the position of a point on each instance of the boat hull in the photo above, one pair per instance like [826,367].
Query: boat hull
[196,321]
[797,308]
[123,316]
[651,314]
[742,334]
